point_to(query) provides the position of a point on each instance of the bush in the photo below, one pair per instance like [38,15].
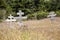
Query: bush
[0,20]
[58,13]
[39,15]
[42,15]
[30,16]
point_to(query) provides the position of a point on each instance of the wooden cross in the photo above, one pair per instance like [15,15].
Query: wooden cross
[20,13]
[52,15]
[11,18]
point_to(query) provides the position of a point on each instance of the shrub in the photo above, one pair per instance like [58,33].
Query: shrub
[42,15]
[39,15]
[58,13]
[30,16]
[0,20]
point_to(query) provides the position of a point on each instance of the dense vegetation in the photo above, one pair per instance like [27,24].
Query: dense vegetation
[28,6]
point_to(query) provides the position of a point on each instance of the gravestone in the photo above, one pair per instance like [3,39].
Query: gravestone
[20,13]
[52,15]
[10,20]
[20,18]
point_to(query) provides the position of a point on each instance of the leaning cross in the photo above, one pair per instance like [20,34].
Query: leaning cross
[20,13]
[11,18]
[52,15]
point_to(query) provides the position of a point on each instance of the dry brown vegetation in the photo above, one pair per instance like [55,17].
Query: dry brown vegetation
[34,30]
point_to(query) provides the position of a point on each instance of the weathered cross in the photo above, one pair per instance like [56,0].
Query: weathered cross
[11,18]
[20,13]
[52,15]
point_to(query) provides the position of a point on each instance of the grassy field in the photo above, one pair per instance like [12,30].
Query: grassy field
[42,29]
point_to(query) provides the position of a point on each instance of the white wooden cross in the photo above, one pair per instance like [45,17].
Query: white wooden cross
[11,18]
[52,15]
[20,13]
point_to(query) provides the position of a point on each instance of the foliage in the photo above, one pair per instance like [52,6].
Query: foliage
[32,5]
[0,20]
[29,6]
[41,15]
[58,13]
[38,15]
[30,16]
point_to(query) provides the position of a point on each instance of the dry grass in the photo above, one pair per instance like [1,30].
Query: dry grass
[34,30]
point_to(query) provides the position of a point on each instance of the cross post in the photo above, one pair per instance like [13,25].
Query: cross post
[20,13]
[52,15]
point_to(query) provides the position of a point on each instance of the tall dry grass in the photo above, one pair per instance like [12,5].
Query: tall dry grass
[34,30]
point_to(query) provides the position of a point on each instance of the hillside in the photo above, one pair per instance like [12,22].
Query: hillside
[34,30]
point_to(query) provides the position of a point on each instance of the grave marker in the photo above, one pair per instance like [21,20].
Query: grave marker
[20,13]
[13,19]
[52,15]
[10,20]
